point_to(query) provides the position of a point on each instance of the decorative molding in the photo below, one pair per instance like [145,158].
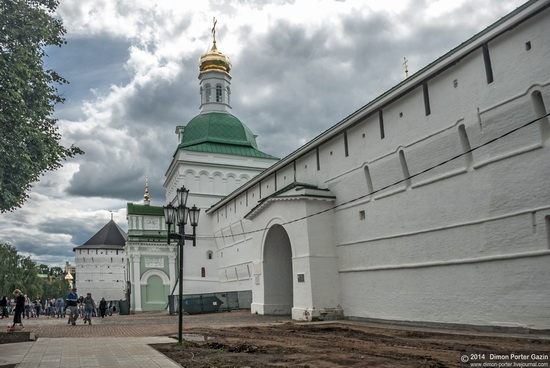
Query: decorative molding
[154,262]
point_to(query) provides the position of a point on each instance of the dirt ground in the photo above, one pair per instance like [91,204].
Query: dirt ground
[335,345]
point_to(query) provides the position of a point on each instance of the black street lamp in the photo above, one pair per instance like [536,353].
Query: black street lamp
[178,214]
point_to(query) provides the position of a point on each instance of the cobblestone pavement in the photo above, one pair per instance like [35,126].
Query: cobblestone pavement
[140,324]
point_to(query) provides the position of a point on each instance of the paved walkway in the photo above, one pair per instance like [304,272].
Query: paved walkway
[87,352]
[116,341]
[123,341]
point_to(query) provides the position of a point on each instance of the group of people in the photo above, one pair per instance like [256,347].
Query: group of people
[85,307]
[34,309]
[74,306]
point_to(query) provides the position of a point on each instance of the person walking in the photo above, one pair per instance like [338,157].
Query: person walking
[28,306]
[72,305]
[4,307]
[102,307]
[38,307]
[60,308]
[89,306]
[19,307]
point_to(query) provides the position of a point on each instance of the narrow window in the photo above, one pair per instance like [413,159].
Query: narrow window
[370,188]
[540,110]
[487,61]
[227,96]
[346,143]
[381,120]
[547,222]
[362,215]
[203,272]
[427,108]
[208,93]
[209,255]
[218,93]
[405,169]
[317,156]
[466,148]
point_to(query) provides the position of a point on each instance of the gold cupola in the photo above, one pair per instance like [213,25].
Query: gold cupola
[213,59]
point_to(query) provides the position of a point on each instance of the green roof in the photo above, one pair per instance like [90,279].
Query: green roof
[140,209]
[217,132]
[229,150]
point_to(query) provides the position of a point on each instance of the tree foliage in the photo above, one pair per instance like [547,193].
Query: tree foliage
[29,137]
[18,272]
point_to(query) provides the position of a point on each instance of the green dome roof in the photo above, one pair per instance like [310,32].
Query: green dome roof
[220,133]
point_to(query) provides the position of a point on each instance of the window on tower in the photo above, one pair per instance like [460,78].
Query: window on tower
[208,97]
[218,93]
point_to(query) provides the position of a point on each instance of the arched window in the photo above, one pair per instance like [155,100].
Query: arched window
[208,97]
[203,272]
[209,255]
[218,93]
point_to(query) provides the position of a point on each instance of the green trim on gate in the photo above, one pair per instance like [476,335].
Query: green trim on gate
[140,209]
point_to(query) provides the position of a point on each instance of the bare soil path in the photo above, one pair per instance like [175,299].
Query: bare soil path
[240,339]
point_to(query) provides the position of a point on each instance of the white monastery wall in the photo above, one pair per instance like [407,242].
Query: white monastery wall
[467,242]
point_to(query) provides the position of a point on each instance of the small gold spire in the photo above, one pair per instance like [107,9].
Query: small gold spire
[146,196]
[405,61]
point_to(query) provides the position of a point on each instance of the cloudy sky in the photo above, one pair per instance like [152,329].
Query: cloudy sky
[299,67]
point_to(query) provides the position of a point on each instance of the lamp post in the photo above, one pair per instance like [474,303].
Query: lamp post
[178,215]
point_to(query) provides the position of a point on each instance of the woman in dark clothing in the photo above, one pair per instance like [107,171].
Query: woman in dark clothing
[102,307]
[4,307]
[19,307]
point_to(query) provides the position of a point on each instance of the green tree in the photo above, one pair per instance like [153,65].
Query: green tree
[57,271]
[43,268]
[29,277]
[57,288]
[9,269]
[29,137]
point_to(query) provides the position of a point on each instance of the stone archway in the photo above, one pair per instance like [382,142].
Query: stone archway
[277,272]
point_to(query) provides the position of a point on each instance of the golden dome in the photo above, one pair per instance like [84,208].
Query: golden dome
[214,60]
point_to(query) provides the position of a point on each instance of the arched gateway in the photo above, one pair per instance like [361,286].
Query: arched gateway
[277,262]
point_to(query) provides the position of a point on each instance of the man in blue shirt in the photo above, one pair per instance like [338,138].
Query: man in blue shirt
[72,305]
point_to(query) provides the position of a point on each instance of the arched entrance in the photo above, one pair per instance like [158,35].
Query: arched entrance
[277,267]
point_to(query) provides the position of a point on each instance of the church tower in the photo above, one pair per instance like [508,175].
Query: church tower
[216,154]
[215,80]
